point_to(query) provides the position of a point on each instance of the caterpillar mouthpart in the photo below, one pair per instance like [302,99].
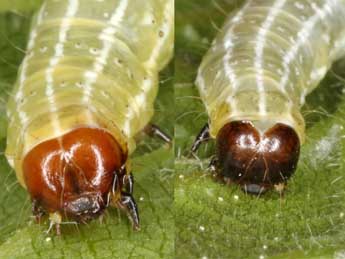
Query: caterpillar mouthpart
[85,206]
[257,160]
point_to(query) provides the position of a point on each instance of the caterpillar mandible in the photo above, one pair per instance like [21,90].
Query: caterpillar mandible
[85,88]
[254,79]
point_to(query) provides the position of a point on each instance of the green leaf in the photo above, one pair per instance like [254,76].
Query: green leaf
[218,221]
[152,164]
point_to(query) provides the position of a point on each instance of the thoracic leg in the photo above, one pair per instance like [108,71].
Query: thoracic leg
[204,135]
[128,182]
[37,211]
[154,131]
[55,219]
[128,203]
[213,164]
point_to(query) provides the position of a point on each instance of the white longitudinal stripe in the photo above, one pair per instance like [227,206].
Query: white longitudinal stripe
[165,31]
[72,9]
[303,35]
[107,33]
[23,118]
[228,47]
[140,101]
[151,64]
[259,49]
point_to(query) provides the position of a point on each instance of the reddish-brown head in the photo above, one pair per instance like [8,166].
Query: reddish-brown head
[73,174]
[257,161]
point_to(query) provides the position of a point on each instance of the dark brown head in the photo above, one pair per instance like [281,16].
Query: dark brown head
[73,174]
[257,161]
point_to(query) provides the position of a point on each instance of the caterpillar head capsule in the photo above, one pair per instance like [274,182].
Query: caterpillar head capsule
[73,174]
[255,160]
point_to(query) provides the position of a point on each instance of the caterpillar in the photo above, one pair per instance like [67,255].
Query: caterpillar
[85,89]
[266,59]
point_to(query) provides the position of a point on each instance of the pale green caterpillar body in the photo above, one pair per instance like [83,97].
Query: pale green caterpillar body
[267,57]
[89,62]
